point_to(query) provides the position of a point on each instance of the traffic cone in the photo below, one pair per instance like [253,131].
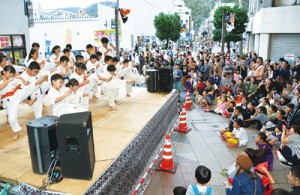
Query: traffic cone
[167,163]
[182,127]
[188,103]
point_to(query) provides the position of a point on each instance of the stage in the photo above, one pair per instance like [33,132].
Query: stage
[116,136]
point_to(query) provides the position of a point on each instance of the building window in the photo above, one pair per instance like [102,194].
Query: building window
[13,47]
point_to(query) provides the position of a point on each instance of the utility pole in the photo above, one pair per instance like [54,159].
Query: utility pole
[117,29]
[241,42]
[223,31]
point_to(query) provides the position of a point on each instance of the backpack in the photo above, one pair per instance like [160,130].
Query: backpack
[196,191]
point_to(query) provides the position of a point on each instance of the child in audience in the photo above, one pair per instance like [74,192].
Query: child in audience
[189,87]
[264,148]
[205,101]
[274,138]
[203,176]
[236,115]
[221,107]
[229,110]
[238,137]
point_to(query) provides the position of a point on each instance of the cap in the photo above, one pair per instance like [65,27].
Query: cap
[244,161]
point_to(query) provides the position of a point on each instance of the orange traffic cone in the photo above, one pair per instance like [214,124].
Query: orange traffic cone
[188,104]
[167,163]
[182,127]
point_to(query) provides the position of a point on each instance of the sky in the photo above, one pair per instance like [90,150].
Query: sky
[55,4]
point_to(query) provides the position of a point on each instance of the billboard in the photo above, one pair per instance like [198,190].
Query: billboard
[110,34]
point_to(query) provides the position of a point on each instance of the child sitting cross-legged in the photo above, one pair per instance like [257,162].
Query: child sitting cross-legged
[238,137]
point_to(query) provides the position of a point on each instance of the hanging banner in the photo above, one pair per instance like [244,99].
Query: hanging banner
[110,34]
[69,36]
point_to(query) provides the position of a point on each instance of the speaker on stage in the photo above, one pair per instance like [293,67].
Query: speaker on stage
[165,79]
[42,142]
[152,80]
[76,145]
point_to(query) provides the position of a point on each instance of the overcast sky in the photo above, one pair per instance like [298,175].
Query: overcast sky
[54,4]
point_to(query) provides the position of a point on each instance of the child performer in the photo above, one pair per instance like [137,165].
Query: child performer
[15,90]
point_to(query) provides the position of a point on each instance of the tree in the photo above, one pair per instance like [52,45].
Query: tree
[240,21]
[167,26]
[201,8]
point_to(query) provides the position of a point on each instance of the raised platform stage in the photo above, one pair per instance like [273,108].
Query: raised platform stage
[125,141]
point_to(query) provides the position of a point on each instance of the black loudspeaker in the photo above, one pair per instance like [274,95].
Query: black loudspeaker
[152,80]
[76,145]
[42,142]
[165,79]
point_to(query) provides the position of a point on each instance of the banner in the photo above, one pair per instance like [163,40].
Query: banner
[110,34]
[69,36]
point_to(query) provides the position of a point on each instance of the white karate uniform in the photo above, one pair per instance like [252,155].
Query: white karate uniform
[86,56]
[70,104]
[111,88]
[12,102]
[38,104]
[84,90]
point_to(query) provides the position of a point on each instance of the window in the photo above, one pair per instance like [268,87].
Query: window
[14,47]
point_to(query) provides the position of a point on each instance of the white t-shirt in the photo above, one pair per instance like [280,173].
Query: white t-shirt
[241,135]
[111,53]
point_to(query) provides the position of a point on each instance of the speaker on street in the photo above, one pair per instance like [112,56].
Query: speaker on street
[42,142]
[76,145]
[165,79]
[152,80]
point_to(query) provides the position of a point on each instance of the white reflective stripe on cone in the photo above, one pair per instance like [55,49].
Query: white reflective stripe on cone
[167,150]
[167,157]
[182,122]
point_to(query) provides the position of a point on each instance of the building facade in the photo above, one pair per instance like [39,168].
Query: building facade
[61,27]
[273,30]
[14,29]
[184,14]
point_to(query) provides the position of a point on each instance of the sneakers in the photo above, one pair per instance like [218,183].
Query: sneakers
[286,164]
[224,172]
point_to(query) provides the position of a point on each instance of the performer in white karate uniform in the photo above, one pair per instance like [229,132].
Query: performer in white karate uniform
[13,91]
[31,75]
[112,85]
[65,100]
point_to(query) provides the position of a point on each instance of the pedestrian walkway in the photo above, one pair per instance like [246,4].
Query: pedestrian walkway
[203,146]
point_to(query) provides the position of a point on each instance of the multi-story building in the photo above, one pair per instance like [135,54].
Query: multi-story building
[61,27]
[14,34]
[184,14]
[274,30]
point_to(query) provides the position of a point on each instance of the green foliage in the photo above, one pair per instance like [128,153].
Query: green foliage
[240,22]
[201,8]
[167,26]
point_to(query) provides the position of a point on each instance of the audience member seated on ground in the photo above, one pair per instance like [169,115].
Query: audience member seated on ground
[250,111]
[238,137]
[235,115]
[265,102]
[289,151]
[220,108]
[267,179]
[294,119]
[230,171]
[279,120]
[294,180]
[203,176]
[289,111]
[179,190]
[274,138]
[205,101]
[245,181]
[239,98]
[251,93]
[260,117]
[229,109]
[280,191]
[264,148]
[272,112]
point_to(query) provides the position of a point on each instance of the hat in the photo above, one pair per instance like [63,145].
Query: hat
[244,161]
